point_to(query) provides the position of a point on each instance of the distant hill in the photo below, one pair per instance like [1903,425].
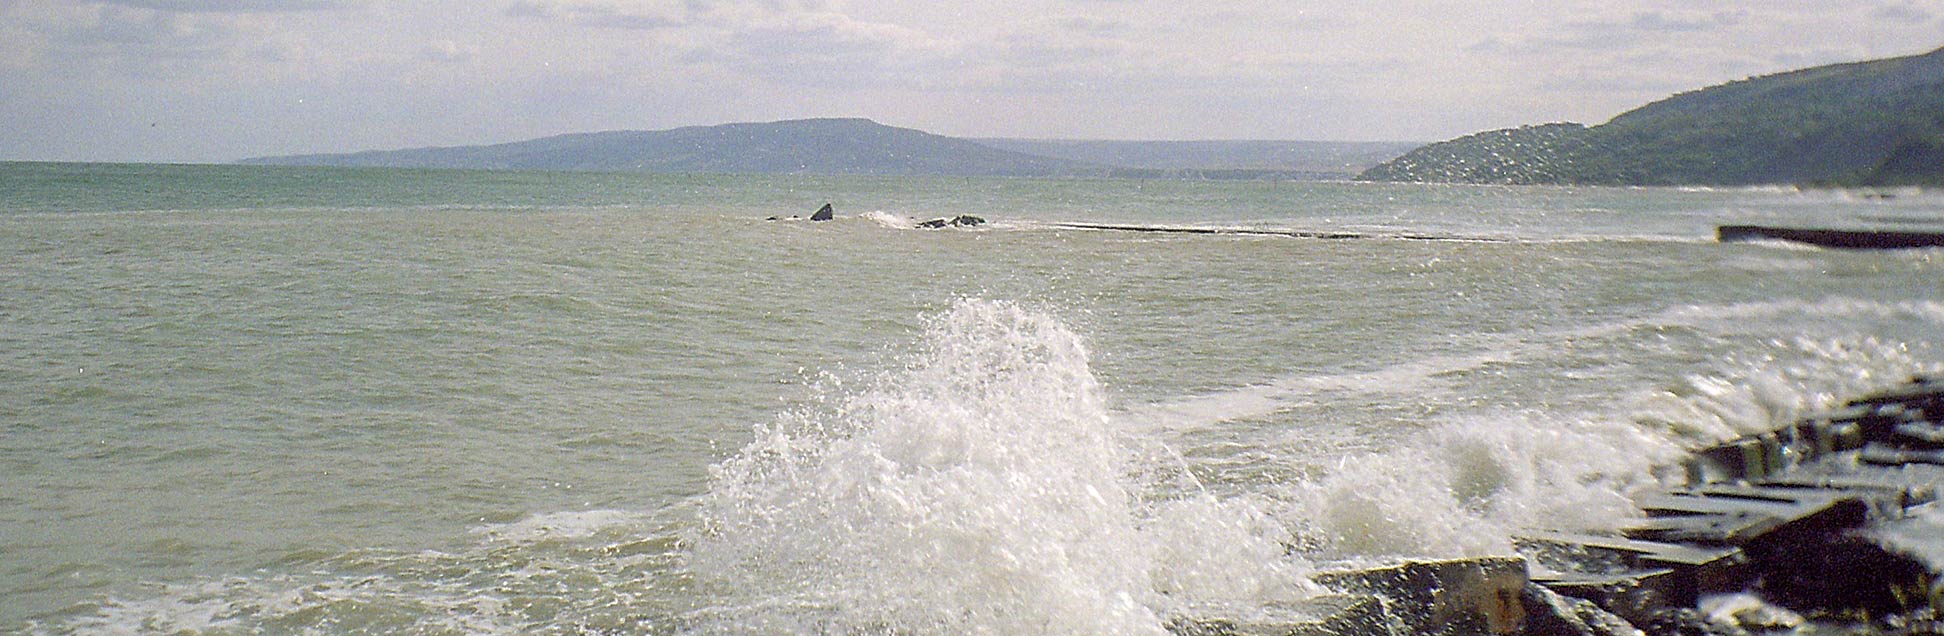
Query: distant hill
[861,146]
[1876,123]
[818,146]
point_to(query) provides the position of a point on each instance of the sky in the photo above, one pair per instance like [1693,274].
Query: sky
[219,80]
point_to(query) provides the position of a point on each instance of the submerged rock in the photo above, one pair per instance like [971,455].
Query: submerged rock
[823,214]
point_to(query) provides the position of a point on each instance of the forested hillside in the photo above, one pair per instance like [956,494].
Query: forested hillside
[1877,123]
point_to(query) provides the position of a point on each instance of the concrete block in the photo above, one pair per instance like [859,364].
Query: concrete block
[1774,460]
[1887,456]
[1752,465]
[1632,596]
[1459,596]
[1695,569]
[1714,529]
[1847,436]
[1328,615]
[1918,435]
[1551,614]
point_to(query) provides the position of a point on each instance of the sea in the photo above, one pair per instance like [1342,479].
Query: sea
[282,400]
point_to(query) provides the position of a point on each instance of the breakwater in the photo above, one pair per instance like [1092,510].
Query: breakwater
[1844,239]
[1792,529]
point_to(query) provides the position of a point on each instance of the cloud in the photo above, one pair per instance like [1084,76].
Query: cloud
[1662,21]
[226,6]
[447,51]
[1903,12]
[599,15]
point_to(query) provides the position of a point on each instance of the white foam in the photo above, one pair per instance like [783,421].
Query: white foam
[887,219]
[977,489]
[1473,478]
[575,524]
[1843,364]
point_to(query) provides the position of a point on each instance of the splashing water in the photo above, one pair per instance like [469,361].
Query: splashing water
[983,487]
[979,490]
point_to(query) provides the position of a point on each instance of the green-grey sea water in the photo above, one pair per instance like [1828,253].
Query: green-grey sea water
[261,400]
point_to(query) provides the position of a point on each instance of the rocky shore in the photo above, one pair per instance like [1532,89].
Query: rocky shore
[1805,529]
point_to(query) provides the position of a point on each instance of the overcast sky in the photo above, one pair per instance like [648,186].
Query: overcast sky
[216,80]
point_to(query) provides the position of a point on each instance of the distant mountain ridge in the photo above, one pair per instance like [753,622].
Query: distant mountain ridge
[825,146]
[865,147]
[1873,123]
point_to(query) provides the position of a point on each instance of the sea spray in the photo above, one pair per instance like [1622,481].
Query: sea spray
[976,490]
[980,487]
[1474,479]
[1466,486]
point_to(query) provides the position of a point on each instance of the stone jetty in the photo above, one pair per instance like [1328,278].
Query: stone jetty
[1782,531]
[1845,239]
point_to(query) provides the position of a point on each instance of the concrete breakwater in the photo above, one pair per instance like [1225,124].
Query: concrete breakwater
[1790,530]
[1844,239]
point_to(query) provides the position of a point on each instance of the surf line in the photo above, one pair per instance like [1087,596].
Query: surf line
[1305,234]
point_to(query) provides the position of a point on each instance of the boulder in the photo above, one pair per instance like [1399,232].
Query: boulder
[823,214]
[1458,596]
[963,220]
[1549,614]
[1686,621]
[1327,615]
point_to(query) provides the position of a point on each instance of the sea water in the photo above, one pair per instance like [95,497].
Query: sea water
[259,400]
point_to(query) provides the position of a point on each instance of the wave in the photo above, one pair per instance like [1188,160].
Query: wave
[979,488]
[983,483]
[984,486]
[1472,477]
[887,219]
[574,571]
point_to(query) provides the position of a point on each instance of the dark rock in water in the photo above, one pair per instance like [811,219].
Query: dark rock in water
[823,214]
[963,220]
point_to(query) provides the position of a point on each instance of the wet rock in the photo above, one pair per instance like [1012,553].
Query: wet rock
[1549,614]
[1687,621]
[963,220]
[1749,612]
[1328,615]
[1841,574]
[823,214]
[1459,596]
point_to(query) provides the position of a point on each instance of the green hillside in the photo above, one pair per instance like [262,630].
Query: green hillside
[1866,123]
